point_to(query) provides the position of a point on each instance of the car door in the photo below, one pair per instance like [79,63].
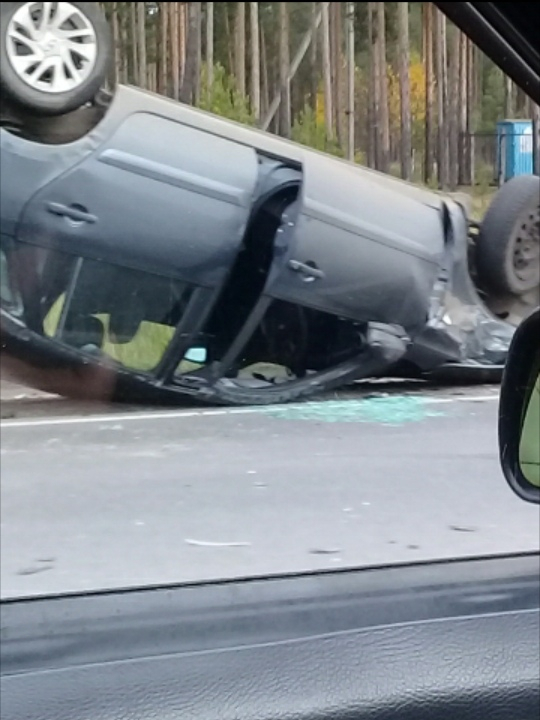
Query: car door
[157,195]
[363,247]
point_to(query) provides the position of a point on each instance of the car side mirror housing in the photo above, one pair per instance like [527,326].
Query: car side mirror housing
[519,411]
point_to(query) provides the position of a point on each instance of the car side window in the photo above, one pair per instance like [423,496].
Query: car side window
[127,315]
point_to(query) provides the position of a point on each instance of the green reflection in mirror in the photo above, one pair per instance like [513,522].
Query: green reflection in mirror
[529,445]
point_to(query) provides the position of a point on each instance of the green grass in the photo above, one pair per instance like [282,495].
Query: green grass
[481,198]
[481,193]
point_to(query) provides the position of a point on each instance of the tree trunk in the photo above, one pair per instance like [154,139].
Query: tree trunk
[197,9]
[327,72]
[442,132]
[284,62]
[134,43]
[336,37]
[188,93]
[373,149]
[209,51]
[228,40]
[405,90]
[116,67]
[265,97]
[182,37]
[384,117]
[292,70]
[463,178]
[174,10]
[471,74]
[151,63]
[522,104]
[255,60]
[350,81]
[478,65]
[141,39]
[163,48]
[197,89]
[152,77]
[428,59]
[453,111]
[313,71]
[124,43]
[508,97]
[240,46]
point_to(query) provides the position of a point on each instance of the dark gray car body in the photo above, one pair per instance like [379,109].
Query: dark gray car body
[165,189]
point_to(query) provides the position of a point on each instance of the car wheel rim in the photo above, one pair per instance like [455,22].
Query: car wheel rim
[526,249]
[52,46]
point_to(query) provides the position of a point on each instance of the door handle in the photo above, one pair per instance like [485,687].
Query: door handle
[78,213]
[309,270]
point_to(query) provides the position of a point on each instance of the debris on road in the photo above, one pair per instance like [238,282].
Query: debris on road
[210,544]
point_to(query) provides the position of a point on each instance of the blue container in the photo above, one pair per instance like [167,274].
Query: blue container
[514,149]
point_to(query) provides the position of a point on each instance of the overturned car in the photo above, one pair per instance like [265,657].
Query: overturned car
[180,254]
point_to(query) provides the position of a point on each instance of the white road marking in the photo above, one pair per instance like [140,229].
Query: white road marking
[182,414]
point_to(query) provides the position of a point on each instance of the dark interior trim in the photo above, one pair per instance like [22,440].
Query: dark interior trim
[507,32]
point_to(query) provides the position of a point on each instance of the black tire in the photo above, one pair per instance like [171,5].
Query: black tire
[42,103]
[508,243]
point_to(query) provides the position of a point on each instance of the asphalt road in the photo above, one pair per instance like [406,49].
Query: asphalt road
[131,498]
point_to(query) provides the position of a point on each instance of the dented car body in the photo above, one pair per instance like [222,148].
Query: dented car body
[191,256]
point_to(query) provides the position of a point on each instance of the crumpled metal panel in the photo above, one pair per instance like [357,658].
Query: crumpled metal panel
[460,330]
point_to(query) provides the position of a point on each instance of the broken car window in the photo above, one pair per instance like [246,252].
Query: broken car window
[128,315]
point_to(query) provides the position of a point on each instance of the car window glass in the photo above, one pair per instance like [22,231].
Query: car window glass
[10,298]
[128,315]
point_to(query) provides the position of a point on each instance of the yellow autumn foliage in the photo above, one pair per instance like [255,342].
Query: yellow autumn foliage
[417,80]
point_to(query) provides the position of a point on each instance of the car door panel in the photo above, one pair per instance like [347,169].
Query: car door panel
[374,250]
[157,195]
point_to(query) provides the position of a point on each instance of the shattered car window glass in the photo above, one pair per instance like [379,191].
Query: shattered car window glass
[98,308]
[128,315]
[10,298]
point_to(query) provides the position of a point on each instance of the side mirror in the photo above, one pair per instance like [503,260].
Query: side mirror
[519,411]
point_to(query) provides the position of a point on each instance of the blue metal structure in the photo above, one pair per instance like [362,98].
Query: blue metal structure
[514,149]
